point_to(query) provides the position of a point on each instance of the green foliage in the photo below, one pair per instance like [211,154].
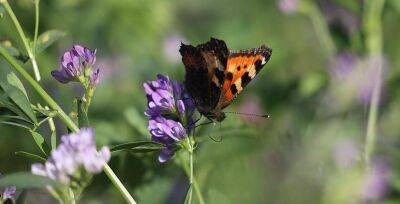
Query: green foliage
[46,39]
[23,180]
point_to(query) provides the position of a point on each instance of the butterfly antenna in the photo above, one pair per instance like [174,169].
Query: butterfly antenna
[250,114]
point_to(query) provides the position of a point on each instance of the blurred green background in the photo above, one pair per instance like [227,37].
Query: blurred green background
[309,151]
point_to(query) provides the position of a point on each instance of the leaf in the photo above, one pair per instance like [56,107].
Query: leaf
[41,143]
[24,180]
[83,120]
[15,124]
[30,156]
[14,117]
[188,195]
[20,99]
[14,81]
[138,147]
[47,38]
[7,45]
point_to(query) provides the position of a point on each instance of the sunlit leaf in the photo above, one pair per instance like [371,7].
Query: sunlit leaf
[30,156]
[24,180]
[14,81]
[138,147]
[48,38]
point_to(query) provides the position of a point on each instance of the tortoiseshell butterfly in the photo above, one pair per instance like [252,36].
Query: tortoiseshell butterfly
[216,75]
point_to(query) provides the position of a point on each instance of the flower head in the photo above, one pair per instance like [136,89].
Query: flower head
[8,193]
[171,113]
[75,151]
[75,63]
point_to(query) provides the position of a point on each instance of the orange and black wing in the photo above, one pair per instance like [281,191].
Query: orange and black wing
[205,65]
[242,66]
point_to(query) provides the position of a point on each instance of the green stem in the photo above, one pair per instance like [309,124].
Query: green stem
[373,34]
[189,172]
[190,168]
[321,28]
[36,26]
[23,38]
[64,118]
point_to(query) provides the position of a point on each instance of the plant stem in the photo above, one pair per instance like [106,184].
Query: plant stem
[189,172]
[190,169]
[321,28]
[23,38]
[373,32]
[36,26]
[64,118]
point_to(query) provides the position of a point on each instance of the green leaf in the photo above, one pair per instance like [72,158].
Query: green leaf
[20,99]
[41,143]
[14,81]
[47,38]
[30,156]
[15,124]
[7,45]
[83,120]
[24,180]
[188,194]
[138,147]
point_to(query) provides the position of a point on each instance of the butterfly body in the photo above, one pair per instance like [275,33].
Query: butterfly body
[215,75]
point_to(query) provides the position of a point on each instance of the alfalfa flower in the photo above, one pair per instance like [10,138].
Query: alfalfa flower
[170,110]
[77,65]
[8,193]
[76,155]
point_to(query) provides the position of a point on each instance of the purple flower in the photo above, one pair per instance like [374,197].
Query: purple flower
[89,57]
[170,110]
[94,79]
[75,151]
[8,193]
[73,64]
[70,68]
[375,184]
[288,6]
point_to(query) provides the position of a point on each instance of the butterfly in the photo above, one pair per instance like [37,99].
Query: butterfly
[215,75]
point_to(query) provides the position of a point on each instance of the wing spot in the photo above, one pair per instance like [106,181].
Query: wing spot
[245,66]
[238,68]
[258,64]
[229,76]
[233,89]
[245,79]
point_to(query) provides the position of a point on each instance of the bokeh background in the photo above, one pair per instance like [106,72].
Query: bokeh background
[317,88]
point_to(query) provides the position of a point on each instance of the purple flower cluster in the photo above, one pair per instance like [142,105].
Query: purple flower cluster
[76,63]
[7,193]
[170,110]
[75,151]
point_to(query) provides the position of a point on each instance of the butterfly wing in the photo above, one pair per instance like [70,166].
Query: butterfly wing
[242,67]
[205,65]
